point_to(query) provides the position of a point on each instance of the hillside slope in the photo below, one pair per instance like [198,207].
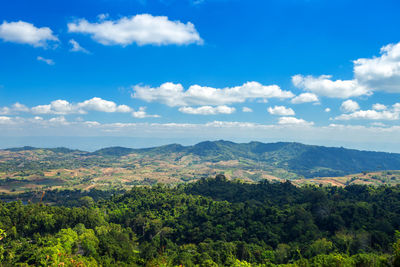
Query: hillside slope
[305,160]
[284,160]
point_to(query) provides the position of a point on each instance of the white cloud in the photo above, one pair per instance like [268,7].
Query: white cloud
[17,107]
[380,73]
[247,109]
[324,86]
[327,110]
[305,98]
[349,106]
[63,107]
[174,94]
[379,112]
[141,114]
[56,107]
[369,115]
[281,111]
[46,60]
[76,47]
[379,106]
[59,120]
[122,109]
[142,29]
[20,107]
[294,121]
[98,104]
[207,110]
[26,33]
[396,107]
[370,74]
[92,123]
[5,120]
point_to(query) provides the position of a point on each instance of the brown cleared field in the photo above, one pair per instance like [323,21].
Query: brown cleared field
[369,178]
[130,171]
[167,173]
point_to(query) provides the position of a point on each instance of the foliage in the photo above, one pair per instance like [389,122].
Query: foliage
[213,222]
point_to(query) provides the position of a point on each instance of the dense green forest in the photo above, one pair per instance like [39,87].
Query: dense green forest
[212,222]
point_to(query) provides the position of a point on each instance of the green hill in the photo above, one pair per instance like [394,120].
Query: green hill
[305,160]
[282,159]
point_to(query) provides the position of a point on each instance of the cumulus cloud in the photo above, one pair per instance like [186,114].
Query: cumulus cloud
[207,110]
[305,98]
[247,109]
[370,115]
[38,118]
[349,106]
[379,106]
[26,33]
[64,107]
[174,94]
[143,29]
[294,121]
[325,86]
[5,120]
[98,104]
[76,47]
[281,111]
[56,107]
[20,107]
[378,112]
[17,107]
[380,73]
[141,114]
[59,120]
[45,60]
[396,107]
[327,110]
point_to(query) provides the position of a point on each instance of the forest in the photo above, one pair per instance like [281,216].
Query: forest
[210,222]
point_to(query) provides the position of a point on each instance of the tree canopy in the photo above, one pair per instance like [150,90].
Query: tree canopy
[212,222]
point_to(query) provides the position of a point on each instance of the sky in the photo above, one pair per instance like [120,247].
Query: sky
[137,73]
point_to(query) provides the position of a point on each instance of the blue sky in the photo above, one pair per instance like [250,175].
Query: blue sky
[88,74]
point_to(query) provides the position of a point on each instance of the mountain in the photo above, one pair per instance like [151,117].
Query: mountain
[282,159]
[305,160]
[116,151]
[63,150]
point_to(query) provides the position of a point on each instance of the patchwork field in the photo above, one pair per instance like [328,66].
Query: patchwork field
[369,178]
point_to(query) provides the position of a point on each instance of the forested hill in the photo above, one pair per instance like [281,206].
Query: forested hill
[211,222]
[306,160]
[282,159]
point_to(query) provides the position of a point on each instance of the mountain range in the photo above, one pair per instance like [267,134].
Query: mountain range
[303,160]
